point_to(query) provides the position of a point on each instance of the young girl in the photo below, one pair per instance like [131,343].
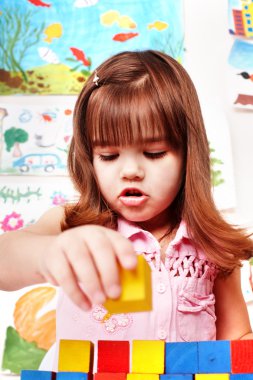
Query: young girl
[139,158]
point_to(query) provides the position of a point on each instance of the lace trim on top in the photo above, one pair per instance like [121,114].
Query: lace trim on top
[187,265]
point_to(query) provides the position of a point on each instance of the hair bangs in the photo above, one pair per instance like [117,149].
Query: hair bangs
[132,115]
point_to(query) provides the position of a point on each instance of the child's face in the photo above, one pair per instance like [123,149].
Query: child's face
[139,182]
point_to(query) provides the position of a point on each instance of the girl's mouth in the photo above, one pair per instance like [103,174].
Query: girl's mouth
[132,197]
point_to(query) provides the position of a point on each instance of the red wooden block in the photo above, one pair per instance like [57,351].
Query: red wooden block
[110,376]
[113,356]
[242,356]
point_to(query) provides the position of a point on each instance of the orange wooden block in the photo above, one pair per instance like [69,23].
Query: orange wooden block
[136,290]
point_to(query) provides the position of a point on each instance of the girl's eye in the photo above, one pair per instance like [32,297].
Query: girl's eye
[154,155]
[108,157]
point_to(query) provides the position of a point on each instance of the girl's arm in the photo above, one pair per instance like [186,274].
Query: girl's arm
[231,310]
[82,260]
[20,251]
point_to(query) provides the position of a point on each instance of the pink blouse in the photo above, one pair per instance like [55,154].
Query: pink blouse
[183,299]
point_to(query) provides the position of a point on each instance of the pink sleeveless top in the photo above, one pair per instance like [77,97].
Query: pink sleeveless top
[183,299]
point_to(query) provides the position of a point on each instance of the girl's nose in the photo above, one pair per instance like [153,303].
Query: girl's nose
[132,171]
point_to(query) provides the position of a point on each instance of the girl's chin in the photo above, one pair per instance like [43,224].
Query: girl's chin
[135,217]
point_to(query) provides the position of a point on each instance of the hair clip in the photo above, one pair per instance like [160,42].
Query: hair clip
[96,78]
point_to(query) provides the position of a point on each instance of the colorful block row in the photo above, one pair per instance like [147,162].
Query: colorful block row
[158,357]
[46,375]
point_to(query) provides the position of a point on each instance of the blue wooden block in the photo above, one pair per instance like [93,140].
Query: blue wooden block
[169,376]
[214,356]
[72,376]
[241,376]
[28,374]
[181,357]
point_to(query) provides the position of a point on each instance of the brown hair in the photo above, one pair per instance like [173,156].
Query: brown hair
[149,92]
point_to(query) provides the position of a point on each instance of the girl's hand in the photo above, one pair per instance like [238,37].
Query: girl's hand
[84,262]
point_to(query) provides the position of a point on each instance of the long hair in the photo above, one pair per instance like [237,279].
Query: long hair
[149,92]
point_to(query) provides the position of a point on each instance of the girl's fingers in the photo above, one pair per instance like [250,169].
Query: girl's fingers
[105,260]
[81,260]
[123,249]
[65,278]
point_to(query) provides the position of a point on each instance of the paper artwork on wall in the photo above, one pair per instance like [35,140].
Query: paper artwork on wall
[241,74]
[241,18]
[34,140]
[51,47]
[240,22]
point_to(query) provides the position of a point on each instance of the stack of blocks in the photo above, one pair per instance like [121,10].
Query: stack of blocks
[151,360]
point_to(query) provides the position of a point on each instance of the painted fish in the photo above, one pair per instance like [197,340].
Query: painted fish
[39,3]
[48,55]
[122,37]
[109,18]
[126,22]
[85,3]
[46,117]
[80,56]
[53,31]
[158,25]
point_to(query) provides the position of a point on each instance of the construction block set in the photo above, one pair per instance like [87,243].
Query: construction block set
[151,360]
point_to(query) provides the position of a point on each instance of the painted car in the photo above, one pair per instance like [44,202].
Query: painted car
[47,161]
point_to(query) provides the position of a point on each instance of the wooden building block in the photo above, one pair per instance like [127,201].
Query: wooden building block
[136,290]
[113,356]
[181,357]
[148,356]
[75,356]
[214,356]
[142,376]
[109,376]
[241,376]
[73,376]
[170,376]
[242,356]
[212,376]
[37,375]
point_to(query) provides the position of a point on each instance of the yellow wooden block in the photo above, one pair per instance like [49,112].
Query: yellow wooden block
[148,356]
[142,376]
[212,376]
[75,355]
[136,290]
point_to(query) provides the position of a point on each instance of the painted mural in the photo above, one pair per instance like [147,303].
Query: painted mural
[51,47]
[34,140]
[241,18]
[241,55]
[27,328]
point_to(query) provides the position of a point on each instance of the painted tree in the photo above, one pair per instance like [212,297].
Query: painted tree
[17,37]
[13,138]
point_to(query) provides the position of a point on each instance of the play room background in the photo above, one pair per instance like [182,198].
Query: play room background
[47,50]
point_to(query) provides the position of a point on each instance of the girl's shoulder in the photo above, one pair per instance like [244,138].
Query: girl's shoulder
[49,223]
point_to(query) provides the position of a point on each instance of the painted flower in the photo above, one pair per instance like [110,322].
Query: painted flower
[12,222]
[58,198]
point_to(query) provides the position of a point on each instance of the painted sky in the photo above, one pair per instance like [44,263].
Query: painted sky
[241,55]
[82,29]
